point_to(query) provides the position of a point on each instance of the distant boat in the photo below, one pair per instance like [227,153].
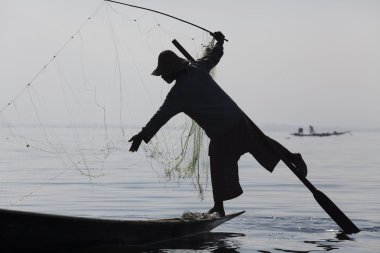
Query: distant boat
[335,133]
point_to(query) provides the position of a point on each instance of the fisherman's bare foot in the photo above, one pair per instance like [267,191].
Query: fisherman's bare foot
[300,164]
[221,213]
[218,208]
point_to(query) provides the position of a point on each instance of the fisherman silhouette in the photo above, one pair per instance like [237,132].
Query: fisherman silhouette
[231,133]
[311,130]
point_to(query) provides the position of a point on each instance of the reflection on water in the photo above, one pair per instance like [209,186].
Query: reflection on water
[325,245]
[214,242]
[234,242]
[218,242]
[211,242]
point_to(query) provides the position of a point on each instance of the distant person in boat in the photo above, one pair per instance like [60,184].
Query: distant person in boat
[311,130]
[231,133]
[300,131]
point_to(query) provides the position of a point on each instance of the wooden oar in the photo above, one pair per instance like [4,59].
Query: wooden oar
[325,202]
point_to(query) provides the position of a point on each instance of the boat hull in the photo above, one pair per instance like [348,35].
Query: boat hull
[20,229]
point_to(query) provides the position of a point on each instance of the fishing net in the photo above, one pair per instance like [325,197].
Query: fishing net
[188,215]
[95,93]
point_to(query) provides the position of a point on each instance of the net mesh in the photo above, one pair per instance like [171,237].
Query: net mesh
[95,93]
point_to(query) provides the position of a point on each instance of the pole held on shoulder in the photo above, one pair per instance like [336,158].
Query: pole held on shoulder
[182,50]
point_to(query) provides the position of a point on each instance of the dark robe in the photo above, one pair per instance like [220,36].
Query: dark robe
[196,94]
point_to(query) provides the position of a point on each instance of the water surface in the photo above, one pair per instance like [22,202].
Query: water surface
[281,214]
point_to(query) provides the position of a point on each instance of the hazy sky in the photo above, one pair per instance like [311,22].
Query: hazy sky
[296,62]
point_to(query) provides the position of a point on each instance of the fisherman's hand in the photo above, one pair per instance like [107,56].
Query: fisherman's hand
[219,37]
[136,141]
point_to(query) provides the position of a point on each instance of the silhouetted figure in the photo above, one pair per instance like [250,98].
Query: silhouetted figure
[300,131]
[231,133]
[311,130]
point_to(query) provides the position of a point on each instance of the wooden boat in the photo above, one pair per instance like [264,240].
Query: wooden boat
[29,230]
[320,134]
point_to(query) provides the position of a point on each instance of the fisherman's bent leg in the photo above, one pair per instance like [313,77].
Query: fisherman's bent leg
[267,151]
[259,146]
[295,158]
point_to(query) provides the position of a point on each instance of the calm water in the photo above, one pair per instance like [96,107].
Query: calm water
[281,215]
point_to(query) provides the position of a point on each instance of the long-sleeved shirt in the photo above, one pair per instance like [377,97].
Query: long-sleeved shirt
[196,94]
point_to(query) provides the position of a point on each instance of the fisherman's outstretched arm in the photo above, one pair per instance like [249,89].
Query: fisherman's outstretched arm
[160,118]
[171,106]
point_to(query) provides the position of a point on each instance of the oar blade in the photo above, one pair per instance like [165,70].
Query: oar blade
[335,213]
